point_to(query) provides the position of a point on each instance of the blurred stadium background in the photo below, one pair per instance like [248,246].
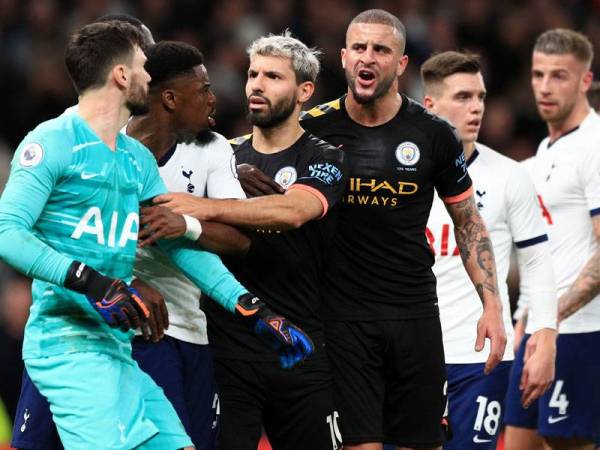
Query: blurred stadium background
[35,85]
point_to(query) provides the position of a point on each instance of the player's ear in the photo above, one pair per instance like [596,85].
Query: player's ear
[120,75]
[343,56]
[402,64]
[428,102]
[168,99]
[305,91]
[586,80]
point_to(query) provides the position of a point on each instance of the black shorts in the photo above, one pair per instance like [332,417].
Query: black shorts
[295,406]
[389,381]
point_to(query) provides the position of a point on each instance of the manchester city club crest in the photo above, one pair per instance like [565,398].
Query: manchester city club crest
[408,154]
[286,176]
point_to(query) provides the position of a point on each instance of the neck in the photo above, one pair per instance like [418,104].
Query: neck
[468,149]
[375,113]
[152,131]
[573,120]
[279,137]
[105,112]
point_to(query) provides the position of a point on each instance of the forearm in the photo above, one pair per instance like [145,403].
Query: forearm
[22,250]
[205,270]
[583,290]
[277,212]
[223,239]
[537,284]
[473,246]
[476,250]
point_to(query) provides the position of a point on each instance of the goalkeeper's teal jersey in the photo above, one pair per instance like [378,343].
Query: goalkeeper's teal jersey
[82,200]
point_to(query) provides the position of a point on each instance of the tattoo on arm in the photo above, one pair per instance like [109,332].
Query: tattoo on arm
[474,245]
[584,289]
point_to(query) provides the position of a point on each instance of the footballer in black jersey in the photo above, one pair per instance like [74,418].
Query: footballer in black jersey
[380,263]
[382,326]
[284,266]
[289,236]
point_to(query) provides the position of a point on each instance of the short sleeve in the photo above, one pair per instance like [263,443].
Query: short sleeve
[324,176]
[525,221]
[222,179]
[451,178]
[589,175]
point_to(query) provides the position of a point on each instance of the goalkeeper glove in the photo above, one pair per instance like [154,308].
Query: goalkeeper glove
[119,305]
[292,344]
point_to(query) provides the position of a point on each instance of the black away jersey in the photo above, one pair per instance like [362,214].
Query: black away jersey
[380,264]
[284,267]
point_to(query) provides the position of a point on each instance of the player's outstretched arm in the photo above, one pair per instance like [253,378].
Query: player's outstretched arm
[586,286]
[159,222]
[477,254]
[279,212]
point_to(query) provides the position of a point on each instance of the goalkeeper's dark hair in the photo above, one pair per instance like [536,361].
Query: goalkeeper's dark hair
[168,60]
[95,49]
[121,18]
[132,21]
[382,17]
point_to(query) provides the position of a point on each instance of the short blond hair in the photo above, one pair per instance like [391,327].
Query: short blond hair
[305,60]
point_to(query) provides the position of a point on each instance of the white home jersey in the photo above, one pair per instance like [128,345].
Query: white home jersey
[202,170]
[566,174]
[505,197]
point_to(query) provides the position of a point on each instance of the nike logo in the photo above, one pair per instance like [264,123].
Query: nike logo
[478,440]
[88,175]
[556,419]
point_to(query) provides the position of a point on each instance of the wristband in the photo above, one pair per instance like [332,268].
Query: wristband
[193,228]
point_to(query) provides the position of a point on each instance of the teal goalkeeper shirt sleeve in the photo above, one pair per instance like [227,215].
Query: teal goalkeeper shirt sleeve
[35,170]
[204,269]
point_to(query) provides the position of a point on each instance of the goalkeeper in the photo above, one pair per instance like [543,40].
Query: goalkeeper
[69,219]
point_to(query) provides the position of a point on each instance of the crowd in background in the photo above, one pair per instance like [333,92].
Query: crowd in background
[36,87]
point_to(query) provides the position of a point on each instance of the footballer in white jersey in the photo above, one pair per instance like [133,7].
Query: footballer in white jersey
[204,170]
[566,174]
[181,362]
[506,200]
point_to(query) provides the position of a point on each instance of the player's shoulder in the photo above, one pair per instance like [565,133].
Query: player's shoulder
[327,109]
[219,144]
[587,133]
[53,140]
[135,148]
[237,142]
[58,135]
[63,125]
[322,149]
[496,160]
[430,123]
